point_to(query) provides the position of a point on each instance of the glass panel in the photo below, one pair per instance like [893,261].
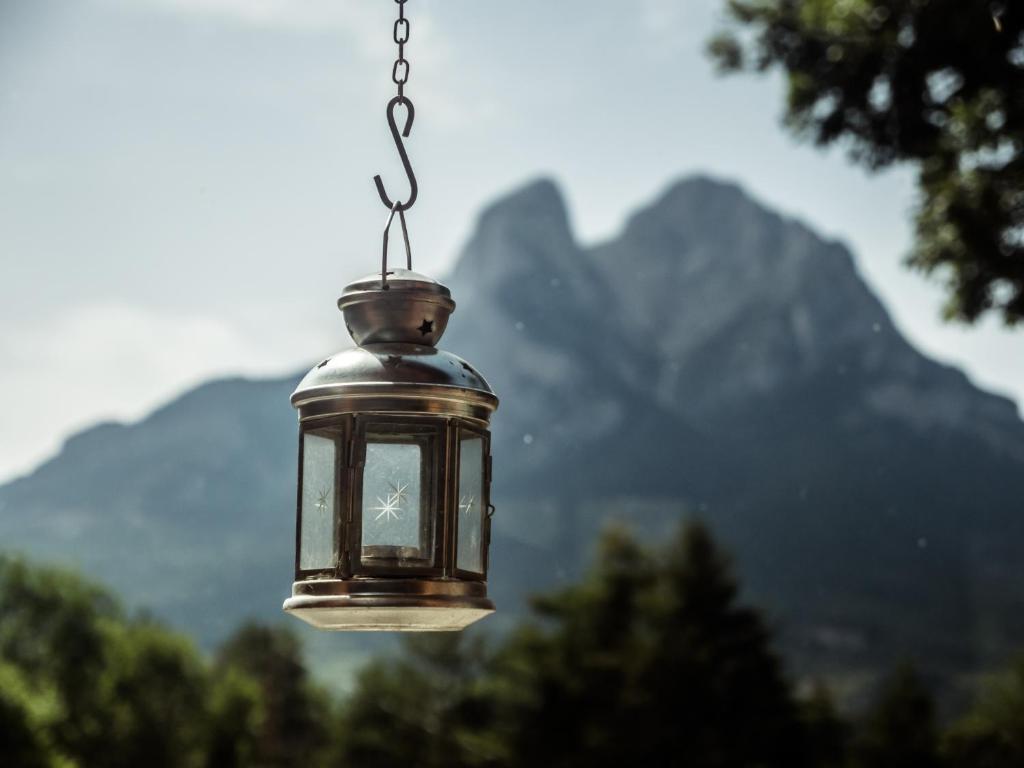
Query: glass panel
[469,553]
[397,524]
[316,543]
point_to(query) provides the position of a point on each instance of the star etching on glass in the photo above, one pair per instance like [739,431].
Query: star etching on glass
[322,499]
[388,509]
[398,491]
[466,504]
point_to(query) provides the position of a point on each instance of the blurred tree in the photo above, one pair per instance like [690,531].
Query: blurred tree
[81,685]
[420,709]
[26,716]
[53,629]
[992,735]
[899,729]
[294,713]
[938,83]
[565,690]
[827,736]
[152,698]
[648,661]
[236,715]
[712,658]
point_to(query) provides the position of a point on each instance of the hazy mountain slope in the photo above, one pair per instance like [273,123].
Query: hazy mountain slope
[186,512]
[858,447]
[713,359]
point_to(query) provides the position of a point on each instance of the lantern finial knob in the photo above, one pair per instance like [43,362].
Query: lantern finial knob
[407,308]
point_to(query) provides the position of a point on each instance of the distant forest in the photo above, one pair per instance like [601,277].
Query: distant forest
[649,660]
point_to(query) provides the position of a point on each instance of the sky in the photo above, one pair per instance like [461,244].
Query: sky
[185,185]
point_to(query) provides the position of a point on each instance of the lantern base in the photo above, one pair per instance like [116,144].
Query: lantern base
[389,605]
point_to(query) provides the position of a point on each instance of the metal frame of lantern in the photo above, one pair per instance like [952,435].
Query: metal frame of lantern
[393,509]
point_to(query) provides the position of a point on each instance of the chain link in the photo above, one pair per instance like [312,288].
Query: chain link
[400,76]
[400,70]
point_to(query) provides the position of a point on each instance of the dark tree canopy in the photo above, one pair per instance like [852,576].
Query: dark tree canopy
[936,83]
[899,730]
[992,734]
[652,659]
[82,685]
[292,728]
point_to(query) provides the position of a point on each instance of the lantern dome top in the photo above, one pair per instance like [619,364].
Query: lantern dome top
[395,377]
[403,306]
[394,364]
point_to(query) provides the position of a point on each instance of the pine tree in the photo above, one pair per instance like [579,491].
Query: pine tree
[649,660]
[992,734]
[899,729]
[294,713]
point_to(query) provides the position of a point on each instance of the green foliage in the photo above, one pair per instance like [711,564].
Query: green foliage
[26,719]
[650,660]
[899,730]
[236,716]
[713,657]
[54,630]
[992,735]
[419,709]
[293,716]
[123,693]
[82,685]
[152,699]
[937,83]
[827,736]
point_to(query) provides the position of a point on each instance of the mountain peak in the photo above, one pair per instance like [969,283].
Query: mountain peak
[762,304]
[689,204]
[540,197]
[701,187]
[524,236]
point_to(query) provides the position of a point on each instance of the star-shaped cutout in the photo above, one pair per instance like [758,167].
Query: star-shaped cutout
[321,500]
[388,509]
[426,327]
[398,491]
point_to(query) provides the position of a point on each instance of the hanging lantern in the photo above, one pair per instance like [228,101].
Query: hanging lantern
[394,470]
[393,519]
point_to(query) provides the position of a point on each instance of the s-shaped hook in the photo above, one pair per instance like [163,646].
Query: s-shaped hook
[397,136]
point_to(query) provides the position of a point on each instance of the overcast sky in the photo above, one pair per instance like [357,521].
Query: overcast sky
[185,185]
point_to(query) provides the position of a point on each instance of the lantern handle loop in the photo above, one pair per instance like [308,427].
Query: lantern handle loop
[395,208]
[410,115]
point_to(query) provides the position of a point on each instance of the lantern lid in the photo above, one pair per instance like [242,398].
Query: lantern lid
[403,307]
[393,364]
[395,377]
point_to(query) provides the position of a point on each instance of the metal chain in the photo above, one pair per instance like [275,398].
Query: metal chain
[400,70]
[400,76]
